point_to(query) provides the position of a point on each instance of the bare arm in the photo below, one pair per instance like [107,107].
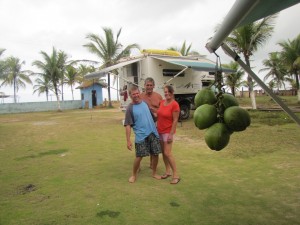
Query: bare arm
[128,132]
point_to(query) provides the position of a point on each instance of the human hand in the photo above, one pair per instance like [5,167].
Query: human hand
[129,145]
[170,138]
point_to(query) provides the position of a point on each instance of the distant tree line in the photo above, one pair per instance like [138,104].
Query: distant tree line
[56,69]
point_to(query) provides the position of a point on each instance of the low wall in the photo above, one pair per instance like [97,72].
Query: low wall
[38,106]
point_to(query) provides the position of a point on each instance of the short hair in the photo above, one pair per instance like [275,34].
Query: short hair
[170,88]
[133,88]
[149,79]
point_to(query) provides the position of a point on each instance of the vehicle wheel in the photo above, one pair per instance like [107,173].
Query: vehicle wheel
[184,112]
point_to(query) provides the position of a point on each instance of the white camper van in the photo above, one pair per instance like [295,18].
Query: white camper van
[187,75]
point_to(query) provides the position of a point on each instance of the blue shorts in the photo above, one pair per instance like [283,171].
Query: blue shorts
[150,146]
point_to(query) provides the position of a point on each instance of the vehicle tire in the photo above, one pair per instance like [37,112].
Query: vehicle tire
[184,112]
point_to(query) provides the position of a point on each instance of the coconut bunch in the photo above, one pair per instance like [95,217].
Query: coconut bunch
[221,115]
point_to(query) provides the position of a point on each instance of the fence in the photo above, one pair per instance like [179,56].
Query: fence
[292,92]
[38,106]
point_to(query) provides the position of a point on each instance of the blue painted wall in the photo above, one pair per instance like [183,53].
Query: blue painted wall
[86,95]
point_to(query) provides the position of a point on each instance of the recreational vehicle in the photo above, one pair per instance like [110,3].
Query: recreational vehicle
[186,74]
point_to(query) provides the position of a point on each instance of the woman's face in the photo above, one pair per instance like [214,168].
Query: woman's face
[168,95]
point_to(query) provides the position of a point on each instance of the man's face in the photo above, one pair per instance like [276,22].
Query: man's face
[149,87]
[135,96]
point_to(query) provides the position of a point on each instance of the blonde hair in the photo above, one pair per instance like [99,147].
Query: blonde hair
[133,88]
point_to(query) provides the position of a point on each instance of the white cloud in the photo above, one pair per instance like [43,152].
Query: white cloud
[30,26]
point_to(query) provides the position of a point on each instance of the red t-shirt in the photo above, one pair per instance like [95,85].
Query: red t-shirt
[165,116]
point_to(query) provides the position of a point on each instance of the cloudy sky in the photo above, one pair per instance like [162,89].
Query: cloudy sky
[30,26]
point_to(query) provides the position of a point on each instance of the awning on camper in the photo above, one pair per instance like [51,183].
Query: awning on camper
[104,71]
[200,66]
[244,12]
[195,65]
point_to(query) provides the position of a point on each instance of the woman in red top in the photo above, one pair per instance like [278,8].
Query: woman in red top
[167,117]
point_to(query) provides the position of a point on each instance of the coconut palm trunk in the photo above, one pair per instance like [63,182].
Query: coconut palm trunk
[298,87]
[57,99]
[250,86]
[72,92]
[15,90]
[108,91]
[297,83]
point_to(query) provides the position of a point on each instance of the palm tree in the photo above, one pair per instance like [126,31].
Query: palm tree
[1,51]
[1,63]
[293,85]
[62,64]
[43,86]
[52,69]
[234,80]
[272,85]
[247,39]
[108,49]
[185,51]
[291,57]
[275,69]
[14,75]
[82,70]
[70,77]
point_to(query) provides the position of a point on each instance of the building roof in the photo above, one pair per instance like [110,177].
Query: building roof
[89,83]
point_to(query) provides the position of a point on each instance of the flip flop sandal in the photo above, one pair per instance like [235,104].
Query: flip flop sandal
[165,176]
[175,180]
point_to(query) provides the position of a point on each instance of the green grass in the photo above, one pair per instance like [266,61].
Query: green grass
[72,167]
[267,101]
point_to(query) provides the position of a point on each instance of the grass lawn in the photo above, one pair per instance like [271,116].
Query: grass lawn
[72,167]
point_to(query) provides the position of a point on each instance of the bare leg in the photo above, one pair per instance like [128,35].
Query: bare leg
[150,162]
[154,167]
[136,166]
[167,152]
[165,158]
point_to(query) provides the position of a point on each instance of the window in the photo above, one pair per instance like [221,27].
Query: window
[172,73]
[132,71]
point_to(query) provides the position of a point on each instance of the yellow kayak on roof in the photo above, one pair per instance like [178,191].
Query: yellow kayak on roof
[160,52]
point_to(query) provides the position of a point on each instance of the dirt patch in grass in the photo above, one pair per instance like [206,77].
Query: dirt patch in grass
[189,141]
[60,152]
[12,120]
[111,214]
[24,189]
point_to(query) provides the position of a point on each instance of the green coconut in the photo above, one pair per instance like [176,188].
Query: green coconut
[229,100]
[236,118]
[205,96]
[205,116]
[217,136]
